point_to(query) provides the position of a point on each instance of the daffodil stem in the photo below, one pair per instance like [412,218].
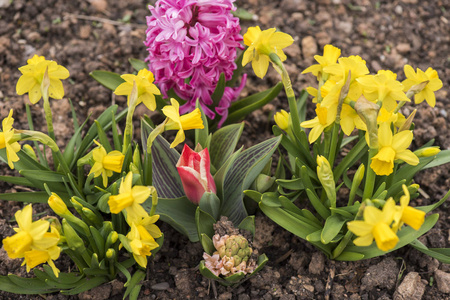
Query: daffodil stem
[334,144]
[48,117]
[343,243]
[128,129]
[289,93]
[370,176]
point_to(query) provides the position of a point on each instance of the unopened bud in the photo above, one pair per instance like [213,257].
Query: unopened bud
[29,151]
[73,239]
[58,205]
[111,239]
[91,216]
[263,182]
[326,178]
[408,122]
[110,253]
[282,119]
[415,89]
[368,112]
[427,152]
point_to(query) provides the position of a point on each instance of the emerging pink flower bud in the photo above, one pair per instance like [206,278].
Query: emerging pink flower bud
[194,171]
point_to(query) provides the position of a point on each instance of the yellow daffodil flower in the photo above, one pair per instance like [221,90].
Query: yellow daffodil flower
[188,121]
[261,44]
[32,241]
[33,74]
[141,243]
[330,56]
[383,87]
[391,148]
[130,199]
[339,73]
[407,214]
[413,78]
[148,223]
[385,116]
[6,140]
[145,88]
[350,119]
[47,254]
[376,225]
[282,119]
[106,163]
[325,117]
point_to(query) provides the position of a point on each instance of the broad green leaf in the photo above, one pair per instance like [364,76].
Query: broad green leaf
[241,108]
[138,64]
[248,224]
[271,199]
[210,204]
[178,213]
[254,195]
[332,227]
[204,223]
[223,143]
[207,244]
[164,159]
[240,176]
[108,79]
[291,184]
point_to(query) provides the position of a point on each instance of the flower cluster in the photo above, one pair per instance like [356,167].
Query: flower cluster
[190,44]
[345,86]
[233,256]
[382,225]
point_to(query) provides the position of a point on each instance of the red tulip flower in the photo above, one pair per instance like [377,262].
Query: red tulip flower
[194,171]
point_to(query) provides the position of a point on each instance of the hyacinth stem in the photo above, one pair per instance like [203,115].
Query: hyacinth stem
[289,93]
[370,176]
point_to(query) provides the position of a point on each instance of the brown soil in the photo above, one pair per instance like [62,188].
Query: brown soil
[98,34]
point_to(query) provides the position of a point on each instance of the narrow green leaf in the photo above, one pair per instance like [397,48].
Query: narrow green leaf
[137,277]
[30,197]
[108,79]
[441,254]
[358,151]
[318,206]
[103,139]
[332,227]
[16,180]
[138,64]
[219,90]
[207,244]
[201,135]
[241,108]
[432,207]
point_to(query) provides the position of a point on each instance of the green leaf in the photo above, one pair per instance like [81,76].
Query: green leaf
[138,64]
[207,244]
[137,277]
[223,143]
[431,207]
[218,91]
[18,285]
[241,108]
[210,203]
[358,151]
[254,195]
[441,254]
[178,213]
[108,79]
[293,225]
[332,227]
[164,159]
[16,180]
[406,236]
[318,206]
[248,224]
[291,184]
[241,175]
[204,223]
[30,197]
[243,14]
[201,135]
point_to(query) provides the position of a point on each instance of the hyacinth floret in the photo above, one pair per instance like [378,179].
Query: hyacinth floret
[190,43]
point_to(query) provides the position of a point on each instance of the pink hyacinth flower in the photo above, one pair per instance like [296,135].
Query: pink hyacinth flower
[190,43]
[194,171]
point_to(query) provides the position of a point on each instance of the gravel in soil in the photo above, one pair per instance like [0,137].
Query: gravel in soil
[98,34]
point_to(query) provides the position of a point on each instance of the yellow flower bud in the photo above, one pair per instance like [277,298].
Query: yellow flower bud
[282,119]
[426,152]
[57,205]
[325,174]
